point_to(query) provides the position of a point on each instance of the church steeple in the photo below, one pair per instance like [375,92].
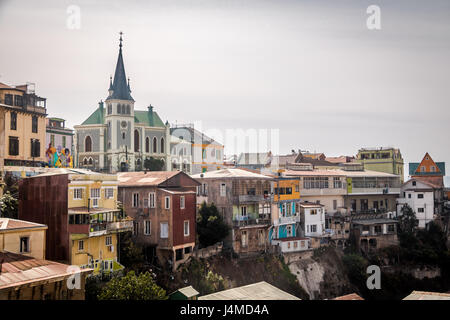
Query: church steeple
[119,87]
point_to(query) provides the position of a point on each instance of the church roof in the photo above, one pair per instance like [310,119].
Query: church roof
[139,117]
[120,88]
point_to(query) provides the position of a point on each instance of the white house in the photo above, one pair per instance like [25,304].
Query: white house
[312,219]
[419,195]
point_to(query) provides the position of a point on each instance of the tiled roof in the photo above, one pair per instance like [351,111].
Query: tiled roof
[256,291]
[17,269]
[10,224]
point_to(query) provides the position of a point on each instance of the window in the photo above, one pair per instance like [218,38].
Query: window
[95,195]
[13,146]
[313,212]
[243,212]
[147,227]
[147,145]
[77,194]
[80,245]
[164,230]
[52,140]
[414,183]
[182,202]
[334,204]
[109,109]
[34,124]
[155,145]
[135,203]
[289,231]
[244,238]
[151,199]
[24,244]
[167,202]
[420,196]
[35,148]
[377,229]
[18,101]
[223,190]
[313,228]
[109,193]
[433,169]
[13,121]
[261,238]
[186,228]
[390,228]
[136,141]
[9,99]
[108,241]
[128,109]
[337,183]
[296,188]
[162,145]
[422,169]
[88,144]
[409,195]
[421,210]
[119,108]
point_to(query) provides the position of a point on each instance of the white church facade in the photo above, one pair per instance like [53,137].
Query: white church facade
[116,137]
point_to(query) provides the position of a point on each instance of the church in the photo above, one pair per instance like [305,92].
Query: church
[116,137]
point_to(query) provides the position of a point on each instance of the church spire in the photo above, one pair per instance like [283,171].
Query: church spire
[120,88]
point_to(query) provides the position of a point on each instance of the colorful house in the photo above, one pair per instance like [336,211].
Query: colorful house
[81,211]
[388,160]
[59,144]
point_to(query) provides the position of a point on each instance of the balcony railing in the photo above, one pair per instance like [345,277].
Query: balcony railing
[253,198]
[249,222]
[287,220]
[120,226]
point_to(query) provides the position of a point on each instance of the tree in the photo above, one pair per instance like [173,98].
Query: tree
[131,255]
[408,221]
[9,206]
[210,225]
[133,287]
[154,164]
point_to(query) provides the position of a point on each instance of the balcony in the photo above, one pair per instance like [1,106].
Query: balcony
[248,198]
[356,190]
[97,229]
[287,220]
[121,226]
[250,222]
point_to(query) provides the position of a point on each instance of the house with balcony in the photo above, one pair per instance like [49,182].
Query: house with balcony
[372,232]
[81,211]
[371,191]
[163,207]
[312,218]
[286,232]
[243,198]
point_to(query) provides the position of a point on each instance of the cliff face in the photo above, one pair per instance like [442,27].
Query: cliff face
[322,274]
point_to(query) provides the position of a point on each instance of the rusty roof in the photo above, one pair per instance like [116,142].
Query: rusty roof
[13,224]
[351,296]
[142,178]
[17,269]
[424,295]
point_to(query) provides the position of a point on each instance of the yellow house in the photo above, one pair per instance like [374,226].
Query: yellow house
[286,189]
[22,126]
[22,237]
[95,221]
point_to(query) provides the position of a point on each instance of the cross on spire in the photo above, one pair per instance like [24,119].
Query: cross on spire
[120,39]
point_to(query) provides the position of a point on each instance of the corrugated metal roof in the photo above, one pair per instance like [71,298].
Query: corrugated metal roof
[230,173]
[17,269]
[188,291]
[151,178]
[256,291]
[10,224]
[351,296]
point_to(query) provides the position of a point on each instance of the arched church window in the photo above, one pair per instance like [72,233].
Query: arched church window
[88,144]
[136,141]
[109,109]
[119,108]
[128,109]
[91,161]
[147,144]
[85,162]
[162,145]
[123,109]
[155,145]
[123,135]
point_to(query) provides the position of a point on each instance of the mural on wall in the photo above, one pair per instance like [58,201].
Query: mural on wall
[59,157]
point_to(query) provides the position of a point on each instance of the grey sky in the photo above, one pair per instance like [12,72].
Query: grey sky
[310,68]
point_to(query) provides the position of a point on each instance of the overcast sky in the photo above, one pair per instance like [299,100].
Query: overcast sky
[311,69]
